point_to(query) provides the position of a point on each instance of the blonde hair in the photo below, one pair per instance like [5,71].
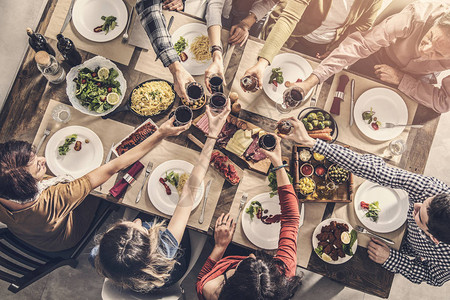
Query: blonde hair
[132,259]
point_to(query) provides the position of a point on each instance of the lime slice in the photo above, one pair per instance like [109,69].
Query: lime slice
[103,73]
[345,237]
[113,98]
[326,257]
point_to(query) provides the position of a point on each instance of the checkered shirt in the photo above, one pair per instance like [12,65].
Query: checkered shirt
[419,259]
[154,23]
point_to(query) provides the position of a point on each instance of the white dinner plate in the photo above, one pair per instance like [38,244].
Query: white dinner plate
[190,32]
[264,236]
[75,163]
[388,107]
[393,203]
[315,241]
[86,15]
[293,67]
[157,193]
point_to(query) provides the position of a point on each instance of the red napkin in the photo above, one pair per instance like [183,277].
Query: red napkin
[119,188]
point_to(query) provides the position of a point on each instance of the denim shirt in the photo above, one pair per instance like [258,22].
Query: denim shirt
[168,244]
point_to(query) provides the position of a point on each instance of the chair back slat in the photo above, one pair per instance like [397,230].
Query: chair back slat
[13,267]
[18,257]
[13,240]
[8,277]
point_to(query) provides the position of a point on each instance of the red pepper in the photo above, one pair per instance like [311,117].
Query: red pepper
[275,83]
[375,126]
[163,182]
[299,80]
[364,205]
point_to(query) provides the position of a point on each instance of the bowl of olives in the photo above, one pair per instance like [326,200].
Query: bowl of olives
[337,174]
[319,123]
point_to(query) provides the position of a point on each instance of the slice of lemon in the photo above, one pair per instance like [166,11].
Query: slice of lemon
[103,73]
[113,98]
[345,237]
[326,257]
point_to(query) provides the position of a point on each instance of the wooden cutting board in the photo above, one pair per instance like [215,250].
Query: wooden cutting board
[261,166]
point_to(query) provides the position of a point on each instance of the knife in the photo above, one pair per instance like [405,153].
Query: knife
[168,28]
[352,100]
[68,16]
[302,215]
[148,170]
[202,214]
[108,158]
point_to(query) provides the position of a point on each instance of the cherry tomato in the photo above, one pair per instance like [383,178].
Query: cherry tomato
[94,74]
[109,90]
[83,81]
[99,84]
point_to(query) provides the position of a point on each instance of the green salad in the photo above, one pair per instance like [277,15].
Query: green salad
[98,89]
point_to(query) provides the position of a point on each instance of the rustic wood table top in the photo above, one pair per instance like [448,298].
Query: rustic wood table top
[31,93]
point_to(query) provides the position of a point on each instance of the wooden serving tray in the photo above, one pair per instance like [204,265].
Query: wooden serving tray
[343,194]
[261,166]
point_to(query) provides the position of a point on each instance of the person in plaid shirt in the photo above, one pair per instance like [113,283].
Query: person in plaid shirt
[426,254]
[154,23]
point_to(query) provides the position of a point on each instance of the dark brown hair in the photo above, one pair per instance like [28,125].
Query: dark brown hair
[16,183]
[439,217]
[260,278]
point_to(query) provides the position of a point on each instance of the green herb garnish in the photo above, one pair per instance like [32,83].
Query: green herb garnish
[277,74]
[253,209]
[319,250]
[272,177]
[110,23]
[62,150]
[374,211]
[368,116]
[348,247]
[180,45]
[173,178]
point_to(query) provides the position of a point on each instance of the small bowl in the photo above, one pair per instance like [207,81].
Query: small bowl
[322,172]
[335,180]
[306,167]
[305,157]
[188,103]
[307,179]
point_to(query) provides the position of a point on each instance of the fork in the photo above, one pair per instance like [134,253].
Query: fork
[241,205]
[125,35]
[46,134]
[392,125]
[365,231]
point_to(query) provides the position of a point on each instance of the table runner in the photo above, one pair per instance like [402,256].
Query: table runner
[114,50]
[167,151]
[255,184]
[259,102]
[352,136]
[347,213]
[146,62]
[108,131]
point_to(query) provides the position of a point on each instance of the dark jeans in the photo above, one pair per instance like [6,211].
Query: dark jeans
[306,47]
[365,66]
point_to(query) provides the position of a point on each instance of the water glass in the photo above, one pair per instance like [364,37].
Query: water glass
[61,113]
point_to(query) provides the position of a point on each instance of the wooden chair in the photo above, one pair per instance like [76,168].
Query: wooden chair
[22,264]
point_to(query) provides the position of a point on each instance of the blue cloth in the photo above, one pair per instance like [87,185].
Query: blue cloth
[168,245]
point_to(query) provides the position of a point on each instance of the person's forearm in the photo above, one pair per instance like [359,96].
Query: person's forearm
[103,173]
[201,167]
[214,33]
[217,253]
[249,20]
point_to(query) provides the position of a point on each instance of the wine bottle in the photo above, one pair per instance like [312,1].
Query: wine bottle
[68,50]
[38,42]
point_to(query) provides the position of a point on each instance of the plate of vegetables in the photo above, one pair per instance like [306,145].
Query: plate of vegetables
[319,124]
[261,218]
[286,68]
[381,209]
[99,20]
[96,87]
[74,150]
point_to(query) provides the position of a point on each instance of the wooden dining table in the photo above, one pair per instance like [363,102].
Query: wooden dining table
[30,95]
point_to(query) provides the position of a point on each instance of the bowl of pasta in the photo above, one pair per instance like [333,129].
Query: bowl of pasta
[152,98]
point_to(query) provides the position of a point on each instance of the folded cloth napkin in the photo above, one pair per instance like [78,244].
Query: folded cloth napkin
[119,188]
